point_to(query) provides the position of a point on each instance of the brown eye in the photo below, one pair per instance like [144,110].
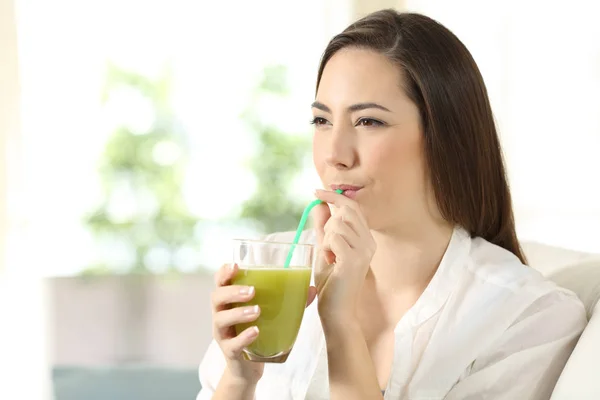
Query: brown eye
[369,122]
[318,121]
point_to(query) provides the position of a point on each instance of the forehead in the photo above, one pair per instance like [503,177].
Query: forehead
[355,75]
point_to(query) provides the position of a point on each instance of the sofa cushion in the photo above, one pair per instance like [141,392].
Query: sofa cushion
[549,259]
[580,273]
[583,279]
[579,379]
[125,383]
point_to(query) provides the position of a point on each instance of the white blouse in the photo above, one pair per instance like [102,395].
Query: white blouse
[486,327]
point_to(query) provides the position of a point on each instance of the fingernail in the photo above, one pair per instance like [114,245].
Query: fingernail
[253,331]
[251,310]
[232,267]
[247,290]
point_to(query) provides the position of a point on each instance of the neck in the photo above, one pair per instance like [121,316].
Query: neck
[407,259]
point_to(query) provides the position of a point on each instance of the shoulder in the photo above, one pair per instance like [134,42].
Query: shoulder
[496,268]
[501,288]
[500,309]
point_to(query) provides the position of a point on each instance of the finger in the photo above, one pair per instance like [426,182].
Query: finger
[350,217]
[312,293]
[225,295]
[227,318]
[353,218]
[344,228]
[320,215]
[339,200]
[359,224]
[326,256]
[322,269]
[224,274]
[232,348]
[337,245]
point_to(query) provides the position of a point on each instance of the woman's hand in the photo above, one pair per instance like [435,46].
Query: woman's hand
[224,319]
[346,249]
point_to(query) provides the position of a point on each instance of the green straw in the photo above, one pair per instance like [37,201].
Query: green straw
[300,229]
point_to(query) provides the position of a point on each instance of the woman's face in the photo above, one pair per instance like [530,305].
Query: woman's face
[368,137]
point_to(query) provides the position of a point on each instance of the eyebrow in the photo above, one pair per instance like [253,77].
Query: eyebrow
[352,108]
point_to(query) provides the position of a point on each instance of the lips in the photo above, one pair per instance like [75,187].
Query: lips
[349,191]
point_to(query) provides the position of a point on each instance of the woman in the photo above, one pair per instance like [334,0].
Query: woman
[422,287]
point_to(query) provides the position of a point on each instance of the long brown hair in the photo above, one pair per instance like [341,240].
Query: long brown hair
[462,148]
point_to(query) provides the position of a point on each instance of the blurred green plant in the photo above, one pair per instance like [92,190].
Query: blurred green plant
[277,162]
[144,169]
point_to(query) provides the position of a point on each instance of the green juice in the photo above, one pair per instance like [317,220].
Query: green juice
[281,295]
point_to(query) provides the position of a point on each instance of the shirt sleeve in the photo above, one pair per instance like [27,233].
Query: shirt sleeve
[213,364]
[528,359]
[210,371]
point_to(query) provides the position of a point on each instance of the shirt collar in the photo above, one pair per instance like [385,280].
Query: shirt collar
[441,285]
[436,293]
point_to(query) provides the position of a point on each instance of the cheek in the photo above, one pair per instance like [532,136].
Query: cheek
[398,160]
[318,155]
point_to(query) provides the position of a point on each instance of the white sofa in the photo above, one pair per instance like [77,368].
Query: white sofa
[579,272]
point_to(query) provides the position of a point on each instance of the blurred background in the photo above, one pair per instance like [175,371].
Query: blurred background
[138,137]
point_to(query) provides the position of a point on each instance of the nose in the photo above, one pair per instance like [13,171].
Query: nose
[342,149]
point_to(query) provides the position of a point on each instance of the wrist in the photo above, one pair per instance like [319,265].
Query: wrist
[336,317]
[239,382]
[231,386]
[340,329]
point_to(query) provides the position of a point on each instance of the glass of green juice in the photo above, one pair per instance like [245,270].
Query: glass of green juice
[280,292]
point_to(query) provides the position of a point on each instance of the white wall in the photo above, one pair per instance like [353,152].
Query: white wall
[541,64]
[23,368]
[157,320]
[8,108]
